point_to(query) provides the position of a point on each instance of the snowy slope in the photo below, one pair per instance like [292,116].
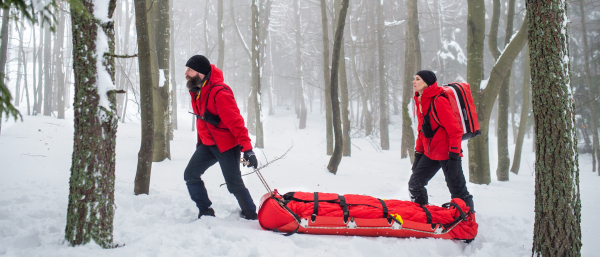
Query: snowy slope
[34,175]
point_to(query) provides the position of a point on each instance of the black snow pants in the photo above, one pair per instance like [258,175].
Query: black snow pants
[206,156]
[425,170]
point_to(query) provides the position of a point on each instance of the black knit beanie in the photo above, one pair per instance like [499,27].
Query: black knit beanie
[199,63]
[427,76]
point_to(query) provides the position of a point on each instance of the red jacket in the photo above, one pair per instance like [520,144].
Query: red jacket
[231,131]
[449,137]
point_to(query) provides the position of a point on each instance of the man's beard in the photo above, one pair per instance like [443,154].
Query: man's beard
[192,81]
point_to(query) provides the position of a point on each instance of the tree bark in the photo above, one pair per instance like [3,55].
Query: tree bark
[159,40]
[557,226]
[504,102]
[90,210]
[299,70]
[524,113]
[220,39]
[40,76]
[479,165]
[256,77]
[60,75]
[383,88]
[20,58]
[326,75]
[144,166]
[593,91]
[410,69]
[48,99]
[336,157]
[173,71]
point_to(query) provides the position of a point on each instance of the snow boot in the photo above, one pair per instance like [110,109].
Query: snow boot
[248,208]
[469,202]
[207,212]
[199,195]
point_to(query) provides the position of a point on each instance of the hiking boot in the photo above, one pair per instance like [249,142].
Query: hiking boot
[469,202]
[251,216]
[246,204]
[207,212]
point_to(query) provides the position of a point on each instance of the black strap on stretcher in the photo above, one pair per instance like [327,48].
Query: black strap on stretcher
[386,214]
[427,213]
[344,208]
[313,217]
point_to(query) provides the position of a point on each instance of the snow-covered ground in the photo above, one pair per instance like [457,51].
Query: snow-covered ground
[34,174]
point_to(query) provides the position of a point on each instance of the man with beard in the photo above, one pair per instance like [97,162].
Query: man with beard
[222,136]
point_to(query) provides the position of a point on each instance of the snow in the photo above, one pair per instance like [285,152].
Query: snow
[104,81]
[483,84]
[34,186]
[161,78]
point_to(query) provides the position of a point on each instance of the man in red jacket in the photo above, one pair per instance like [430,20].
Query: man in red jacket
[438,142]
[221,137]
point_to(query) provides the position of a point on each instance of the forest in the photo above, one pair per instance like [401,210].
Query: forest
[107,63]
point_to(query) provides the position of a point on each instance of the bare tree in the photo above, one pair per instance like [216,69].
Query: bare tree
[383,88]
[144,166]
[336,157]
[412,64]
[326,74]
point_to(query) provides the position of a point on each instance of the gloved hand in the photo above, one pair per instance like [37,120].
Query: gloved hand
[453,167]
[417,158]
[250,157]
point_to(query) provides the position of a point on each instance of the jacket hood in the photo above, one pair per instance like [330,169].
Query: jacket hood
[216,75]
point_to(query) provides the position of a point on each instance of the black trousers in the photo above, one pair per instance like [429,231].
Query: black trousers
[204,157]
[425,170]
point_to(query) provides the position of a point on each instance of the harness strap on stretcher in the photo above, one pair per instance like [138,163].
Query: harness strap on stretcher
[427,213]
[313,217]
[344,208]
[385,209]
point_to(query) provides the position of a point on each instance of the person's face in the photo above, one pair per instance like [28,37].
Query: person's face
[418,84]
[191,74]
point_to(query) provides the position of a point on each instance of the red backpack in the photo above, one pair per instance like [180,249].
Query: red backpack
[461,100]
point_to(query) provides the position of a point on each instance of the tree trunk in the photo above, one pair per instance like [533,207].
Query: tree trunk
[25,80]
[591,87]
[524,113]
[256,76]
[504,100]
[60,75]
[479,164]
[299,72]
[40,74]
[3,57]
[48,99]
[220,39]
[557,226]
[173,73]
[383,88]
[144,166]
[336,156]
[410,69]
[159,40]
[20,58]
[343,89]
[90,211]
[326,75]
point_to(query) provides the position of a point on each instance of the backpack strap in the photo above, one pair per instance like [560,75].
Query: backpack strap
[435,114]
[215,96]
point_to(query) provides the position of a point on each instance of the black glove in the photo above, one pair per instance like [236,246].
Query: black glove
[453,166]
[250,157]
[417,158]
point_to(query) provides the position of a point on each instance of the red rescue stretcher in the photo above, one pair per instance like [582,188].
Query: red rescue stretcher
[360,215]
